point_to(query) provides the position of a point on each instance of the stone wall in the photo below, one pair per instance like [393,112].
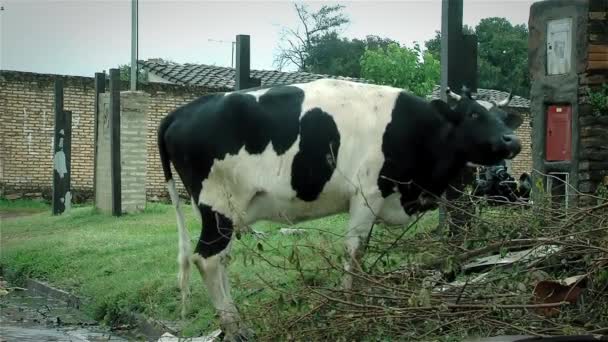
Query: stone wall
[593,159]
[588,166]
[26,132]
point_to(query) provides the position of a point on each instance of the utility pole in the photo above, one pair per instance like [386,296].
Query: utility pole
[458,69]
[233,47]
[134,14]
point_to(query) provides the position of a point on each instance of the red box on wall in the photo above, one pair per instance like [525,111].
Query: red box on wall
[559,133]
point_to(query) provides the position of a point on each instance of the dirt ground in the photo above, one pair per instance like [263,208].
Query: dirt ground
[11,214]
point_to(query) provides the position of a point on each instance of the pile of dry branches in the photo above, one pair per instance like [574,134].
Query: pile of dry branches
[518,269]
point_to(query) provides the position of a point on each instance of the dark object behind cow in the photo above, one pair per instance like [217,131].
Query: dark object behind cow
[498,186]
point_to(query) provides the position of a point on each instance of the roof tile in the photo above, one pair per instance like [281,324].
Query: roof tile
[224,77]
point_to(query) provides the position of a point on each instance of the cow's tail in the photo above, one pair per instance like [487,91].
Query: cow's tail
[184,251]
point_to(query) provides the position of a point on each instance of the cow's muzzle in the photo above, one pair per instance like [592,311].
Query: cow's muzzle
[511,144]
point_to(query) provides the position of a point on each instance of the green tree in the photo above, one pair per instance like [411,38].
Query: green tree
[502,54]
[407,68]
[125,73]
[296,43]
[433,45]
[333,55]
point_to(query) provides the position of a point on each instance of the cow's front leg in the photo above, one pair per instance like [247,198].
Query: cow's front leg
[212,256]
[363,213]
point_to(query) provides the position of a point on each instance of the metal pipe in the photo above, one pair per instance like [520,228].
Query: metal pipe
[134,33]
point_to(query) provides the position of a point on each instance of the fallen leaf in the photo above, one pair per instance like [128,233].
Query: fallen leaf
[548,291]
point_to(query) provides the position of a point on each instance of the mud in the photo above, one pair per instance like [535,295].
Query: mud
[28,316]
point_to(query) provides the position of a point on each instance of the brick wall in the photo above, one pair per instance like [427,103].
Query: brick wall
[26,131]
[523,161]
[133,154]
[593,123]
[163,103]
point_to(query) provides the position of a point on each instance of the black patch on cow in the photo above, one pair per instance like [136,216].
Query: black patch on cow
[418,152]
[283,106]
[215,234]
[213,126]
[314,163]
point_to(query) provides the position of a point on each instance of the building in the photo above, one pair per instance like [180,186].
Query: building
[27,116]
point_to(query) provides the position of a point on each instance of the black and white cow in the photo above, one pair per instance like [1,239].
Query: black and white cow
[304,151]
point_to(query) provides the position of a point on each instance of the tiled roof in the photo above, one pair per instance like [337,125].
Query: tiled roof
[224,77]
[490,95]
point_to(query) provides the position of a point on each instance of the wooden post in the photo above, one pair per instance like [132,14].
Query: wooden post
[451,31]
[242,62]
[243,69]
[62,197]
[458,69]
[100,87]
[115,141]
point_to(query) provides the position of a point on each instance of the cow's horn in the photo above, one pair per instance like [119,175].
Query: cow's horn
[506,100]
[466,91]
[452,94]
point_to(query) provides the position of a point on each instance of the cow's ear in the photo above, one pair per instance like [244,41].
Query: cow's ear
[513,119]
[447,112]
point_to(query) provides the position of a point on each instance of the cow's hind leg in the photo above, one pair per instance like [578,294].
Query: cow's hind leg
[184,246]
[212,256]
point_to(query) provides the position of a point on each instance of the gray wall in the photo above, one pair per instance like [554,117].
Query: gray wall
[134,157]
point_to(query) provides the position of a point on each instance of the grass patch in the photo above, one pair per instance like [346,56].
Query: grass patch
[23,205]
[128,264]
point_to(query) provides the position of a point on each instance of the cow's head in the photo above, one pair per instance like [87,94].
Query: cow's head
[483,132]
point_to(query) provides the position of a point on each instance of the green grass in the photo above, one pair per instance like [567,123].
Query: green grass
[24,206]
[129,263]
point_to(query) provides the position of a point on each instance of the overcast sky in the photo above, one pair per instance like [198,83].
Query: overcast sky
[81,37]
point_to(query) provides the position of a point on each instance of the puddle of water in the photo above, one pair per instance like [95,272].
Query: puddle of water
[27,316]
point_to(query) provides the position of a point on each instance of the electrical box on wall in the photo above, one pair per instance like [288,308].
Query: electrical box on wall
[559,46]
[559,133]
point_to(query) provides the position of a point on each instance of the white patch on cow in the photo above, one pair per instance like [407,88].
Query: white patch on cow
[392,212]
[195,209]
[247,188]
[214,274]
[364,209]
[184,251]
[256,93]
